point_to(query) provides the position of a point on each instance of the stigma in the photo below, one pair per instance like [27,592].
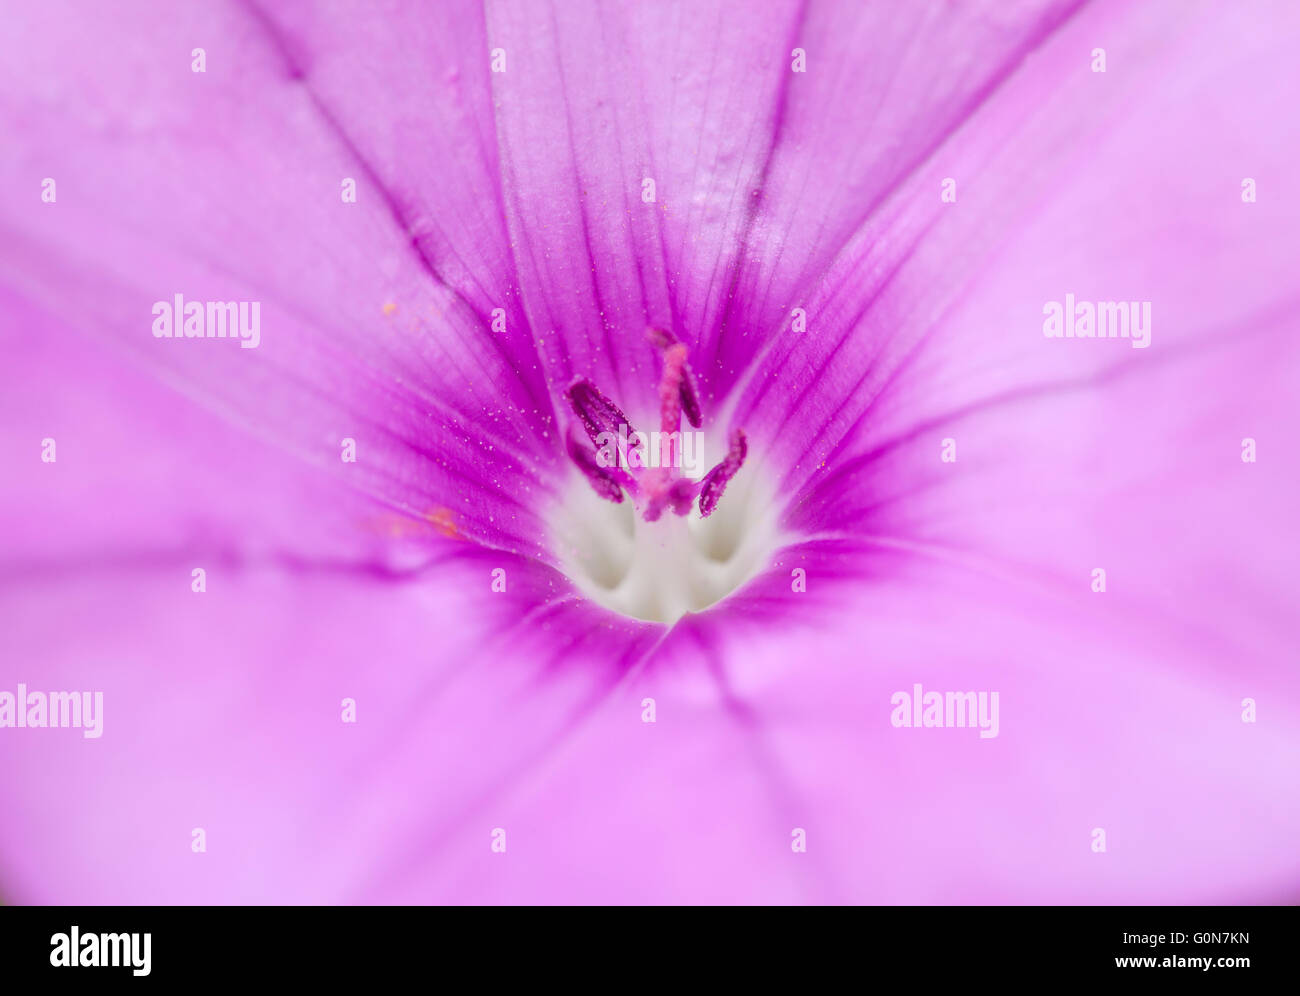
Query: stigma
[652,469]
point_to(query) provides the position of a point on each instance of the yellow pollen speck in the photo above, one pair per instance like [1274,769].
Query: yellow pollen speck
[389,308]
[444,521]
[404,527]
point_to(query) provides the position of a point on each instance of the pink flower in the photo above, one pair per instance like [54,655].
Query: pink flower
[374,619]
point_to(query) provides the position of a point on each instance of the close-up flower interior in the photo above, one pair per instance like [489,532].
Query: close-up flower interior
[619,452]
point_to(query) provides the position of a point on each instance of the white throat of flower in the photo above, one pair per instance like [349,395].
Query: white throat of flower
[659,571]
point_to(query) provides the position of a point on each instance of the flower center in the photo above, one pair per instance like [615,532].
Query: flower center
[629,556]
[659,571]
[647,467]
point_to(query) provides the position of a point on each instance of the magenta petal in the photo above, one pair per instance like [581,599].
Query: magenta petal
[366,332]
[225,711]
[759,734]
[913,328]
[138,473]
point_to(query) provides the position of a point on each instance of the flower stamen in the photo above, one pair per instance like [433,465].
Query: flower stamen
[654,488]
[715,481]
[596,412]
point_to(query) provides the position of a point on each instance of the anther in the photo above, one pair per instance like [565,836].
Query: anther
[655,488]
[608,482]
[689,396]
[596,412]
[715,481]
